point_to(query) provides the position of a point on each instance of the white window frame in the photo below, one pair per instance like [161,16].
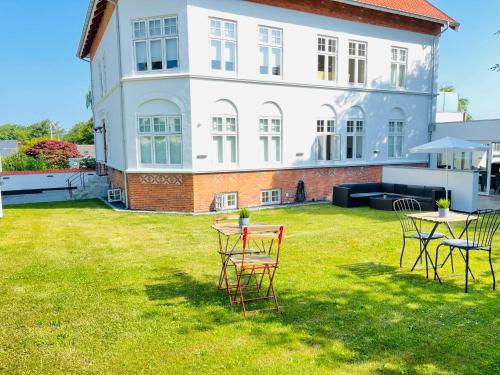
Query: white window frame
[399,59]
[395,133]
[222,201]
[269,45]
[223,39]
[225,133]
[170,121]
[357,57]
[148,39]
[270,134]
[328,127]
[327,53]
[355,134]
[270,197]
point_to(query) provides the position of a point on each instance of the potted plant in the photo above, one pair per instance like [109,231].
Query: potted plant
[443,207]
[244,217]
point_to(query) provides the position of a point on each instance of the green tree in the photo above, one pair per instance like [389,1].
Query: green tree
[463,103]
[40,129]
[13,132]
[82,133]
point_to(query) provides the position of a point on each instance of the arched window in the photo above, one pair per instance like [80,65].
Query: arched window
[328,138]
[160,133]
[225,133]
[355,133]
[270,128]
[396,133]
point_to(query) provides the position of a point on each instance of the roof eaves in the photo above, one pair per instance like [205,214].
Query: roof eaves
[88,17]
[451,22]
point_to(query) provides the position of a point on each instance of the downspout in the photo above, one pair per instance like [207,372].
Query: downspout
[432,107]
[122,100]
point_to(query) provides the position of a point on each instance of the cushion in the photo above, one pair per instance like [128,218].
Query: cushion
[401,189]
[463,244]
[364,195]
[430,189]
[388,188]
[416,191]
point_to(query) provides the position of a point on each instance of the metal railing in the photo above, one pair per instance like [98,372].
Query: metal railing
[75,180]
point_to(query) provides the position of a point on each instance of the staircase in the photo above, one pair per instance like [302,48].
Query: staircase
[88,187]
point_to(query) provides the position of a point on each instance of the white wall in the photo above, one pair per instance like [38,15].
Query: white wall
[462,184]
[194,88]
[449,117]
[37,181]
[474,131]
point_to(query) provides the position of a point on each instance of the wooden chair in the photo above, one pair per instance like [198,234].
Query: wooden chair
[257,267]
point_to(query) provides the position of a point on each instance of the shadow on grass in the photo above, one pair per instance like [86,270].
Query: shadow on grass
[76,204]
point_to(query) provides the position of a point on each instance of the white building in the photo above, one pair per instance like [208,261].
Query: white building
[204,104]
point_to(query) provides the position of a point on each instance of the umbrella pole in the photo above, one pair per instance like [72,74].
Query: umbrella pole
[447,179]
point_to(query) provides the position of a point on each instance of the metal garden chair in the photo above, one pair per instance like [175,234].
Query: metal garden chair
[479,232]
[255,266]
[411,228]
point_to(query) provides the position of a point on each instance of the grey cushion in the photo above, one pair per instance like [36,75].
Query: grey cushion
[425,235]
[462,244]
[416,191]
[364,195]
[401,189]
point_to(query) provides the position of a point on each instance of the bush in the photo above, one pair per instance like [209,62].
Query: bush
[56,153]
[88,163]
[19,161]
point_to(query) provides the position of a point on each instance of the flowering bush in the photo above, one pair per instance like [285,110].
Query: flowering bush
[56,153]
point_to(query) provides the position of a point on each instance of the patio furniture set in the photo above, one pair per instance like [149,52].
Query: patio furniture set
[249,260]
[477,235]
[381,195]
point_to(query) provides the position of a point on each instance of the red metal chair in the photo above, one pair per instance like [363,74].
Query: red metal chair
[261,268]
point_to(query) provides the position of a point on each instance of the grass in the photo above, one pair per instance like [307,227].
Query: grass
[84,289]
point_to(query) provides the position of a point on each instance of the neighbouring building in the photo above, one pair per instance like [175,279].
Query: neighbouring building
[447,108]
[8,147]
[217,104]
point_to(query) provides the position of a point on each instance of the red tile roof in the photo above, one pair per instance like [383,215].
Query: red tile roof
[416,7]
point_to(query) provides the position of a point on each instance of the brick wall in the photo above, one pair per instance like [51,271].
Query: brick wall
[196,192]
[357,14]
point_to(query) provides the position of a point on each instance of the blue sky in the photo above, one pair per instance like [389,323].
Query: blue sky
[42,78]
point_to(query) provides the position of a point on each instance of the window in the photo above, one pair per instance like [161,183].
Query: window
[399,58]
[160,140]
[327,58]
[156,44]
[396,139]
[226,201]
[225,139]
[270,50]
[270,139]
[268,197]
[357,62]
[223,45]
[355,139]
[327,140]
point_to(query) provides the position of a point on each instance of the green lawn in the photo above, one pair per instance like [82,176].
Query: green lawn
[85,289]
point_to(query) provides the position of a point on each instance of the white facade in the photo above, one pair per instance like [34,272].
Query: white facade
[196,93]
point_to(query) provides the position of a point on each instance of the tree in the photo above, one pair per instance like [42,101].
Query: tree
[56,153]
[496,67]
[13,132]
[463,103]
[82,133]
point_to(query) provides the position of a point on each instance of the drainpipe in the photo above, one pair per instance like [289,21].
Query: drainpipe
[432,108]
[122,99]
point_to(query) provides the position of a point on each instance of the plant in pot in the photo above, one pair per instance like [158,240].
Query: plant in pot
[443,207]
[244,217]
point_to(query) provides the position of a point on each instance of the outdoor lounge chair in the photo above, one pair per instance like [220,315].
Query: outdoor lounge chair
[411,229]
[479,232]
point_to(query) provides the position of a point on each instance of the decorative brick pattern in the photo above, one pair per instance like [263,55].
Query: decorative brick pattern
[160,179]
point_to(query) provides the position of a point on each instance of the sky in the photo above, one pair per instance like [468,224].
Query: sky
[41,77]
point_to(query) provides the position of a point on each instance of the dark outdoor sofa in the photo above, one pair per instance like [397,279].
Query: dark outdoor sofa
[358,195]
